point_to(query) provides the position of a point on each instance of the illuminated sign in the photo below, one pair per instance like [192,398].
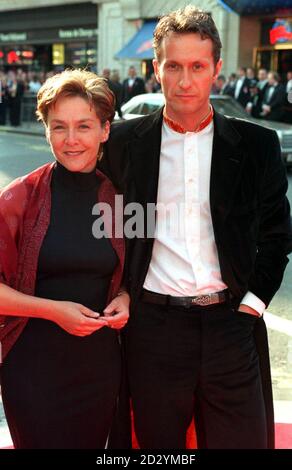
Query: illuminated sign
[7,37]
[27,54]
[13,57]
[58,54]
[281,32]
[77,33]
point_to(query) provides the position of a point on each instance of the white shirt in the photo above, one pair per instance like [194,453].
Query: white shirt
[184,258]
[270,93]
[34,86]
[131,82]
[238,86]
[289,86]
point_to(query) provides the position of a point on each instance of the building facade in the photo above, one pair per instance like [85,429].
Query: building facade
[48,37]
[52,34]
[119,20]
[45,35]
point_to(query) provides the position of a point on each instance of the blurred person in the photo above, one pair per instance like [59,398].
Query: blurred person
[116,88]
[274,99]
[133,85]
[257,92]
[220,85]
[3,98]
[196,341]
[241,92]
[289,82]
[61,302]
[288,104]
[254,106]
[152,86]
[34,84]
[106,73]
[250,73]
[229,88]
[15,91]
[262,82]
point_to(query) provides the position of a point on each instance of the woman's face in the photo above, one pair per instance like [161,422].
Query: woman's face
[75,133]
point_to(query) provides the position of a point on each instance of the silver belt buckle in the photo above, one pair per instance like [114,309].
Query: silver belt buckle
[203,300]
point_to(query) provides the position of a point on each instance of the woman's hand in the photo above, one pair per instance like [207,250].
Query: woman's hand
[116,313]
[76,319]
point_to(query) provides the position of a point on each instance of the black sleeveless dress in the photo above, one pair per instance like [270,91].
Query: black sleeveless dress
[60,390]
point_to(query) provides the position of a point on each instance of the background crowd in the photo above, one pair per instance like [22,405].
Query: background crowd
[263,95]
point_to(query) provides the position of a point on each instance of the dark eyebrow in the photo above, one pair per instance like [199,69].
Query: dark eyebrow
[196,61]
[80,120]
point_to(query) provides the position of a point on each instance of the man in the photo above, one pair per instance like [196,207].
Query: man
[241,92]
[288,106]
[262,82]
[219,86]
[196,341]
[133,85]
[115,86]
[274,99]
[230,85]
[257,93]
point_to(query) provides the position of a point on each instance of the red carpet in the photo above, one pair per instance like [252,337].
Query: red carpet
[283,435]
[283,438]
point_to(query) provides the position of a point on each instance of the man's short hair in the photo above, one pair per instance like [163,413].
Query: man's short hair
[187,20]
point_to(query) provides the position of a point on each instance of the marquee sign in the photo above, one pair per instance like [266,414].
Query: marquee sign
[281,32]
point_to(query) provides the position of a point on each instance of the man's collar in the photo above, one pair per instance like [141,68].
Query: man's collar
[175,126]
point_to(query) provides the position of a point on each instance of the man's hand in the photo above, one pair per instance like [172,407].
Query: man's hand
[116,314]
[246,309]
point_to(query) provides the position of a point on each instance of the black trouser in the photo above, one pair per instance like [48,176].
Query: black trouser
[198,362]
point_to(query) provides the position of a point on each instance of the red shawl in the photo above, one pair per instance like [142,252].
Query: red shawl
[25,206]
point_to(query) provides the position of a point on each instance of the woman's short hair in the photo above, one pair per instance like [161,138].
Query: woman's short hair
[81,83]
[187,20]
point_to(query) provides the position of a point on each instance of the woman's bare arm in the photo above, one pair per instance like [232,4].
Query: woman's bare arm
[74,318]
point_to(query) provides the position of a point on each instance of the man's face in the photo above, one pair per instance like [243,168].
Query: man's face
[241,73]
[186,72]
[271,79]
[132,72]
[262,75]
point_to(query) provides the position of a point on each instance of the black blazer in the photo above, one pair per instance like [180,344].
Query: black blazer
[138,88]
[277,102]
[250,212]
[244,94]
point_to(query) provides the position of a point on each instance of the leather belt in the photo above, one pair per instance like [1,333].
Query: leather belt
[200,300]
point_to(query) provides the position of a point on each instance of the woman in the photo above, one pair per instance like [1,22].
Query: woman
[61,304]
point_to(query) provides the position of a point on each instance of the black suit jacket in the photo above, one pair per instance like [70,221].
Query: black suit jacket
[137,88]
[244,94]
[250,212]
[277,102]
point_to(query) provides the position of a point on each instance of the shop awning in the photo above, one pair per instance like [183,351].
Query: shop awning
[140,46]
[249,7]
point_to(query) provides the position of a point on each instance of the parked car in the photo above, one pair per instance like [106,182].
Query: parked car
[141,105]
